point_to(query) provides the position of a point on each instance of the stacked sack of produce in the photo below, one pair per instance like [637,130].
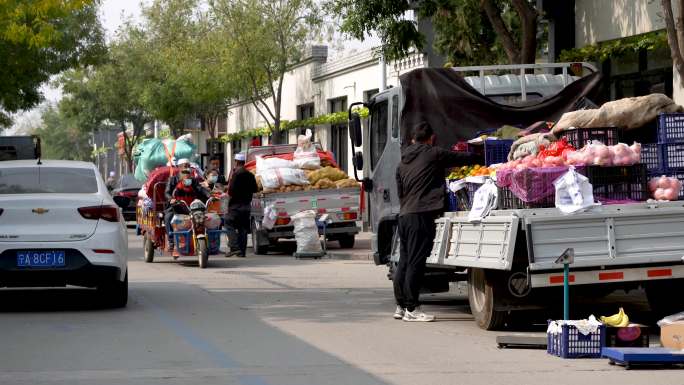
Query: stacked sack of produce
[665,188]
[153,153]
[306,169]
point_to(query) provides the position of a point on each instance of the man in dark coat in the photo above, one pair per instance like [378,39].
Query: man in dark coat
[241,188]
[421,189]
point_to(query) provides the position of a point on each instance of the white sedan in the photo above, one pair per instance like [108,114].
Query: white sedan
[59,226]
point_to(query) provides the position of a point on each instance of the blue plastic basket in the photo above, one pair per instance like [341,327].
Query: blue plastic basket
[672,155]
[496,150]
[570,343]
[651,156]
[671,128]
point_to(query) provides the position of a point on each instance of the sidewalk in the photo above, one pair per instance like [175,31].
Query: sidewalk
[360,252]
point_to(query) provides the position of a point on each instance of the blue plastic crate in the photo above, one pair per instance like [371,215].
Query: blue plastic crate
[580,137]
[651,156]
[496,150]
[670,128]
[570,343]
[672,155]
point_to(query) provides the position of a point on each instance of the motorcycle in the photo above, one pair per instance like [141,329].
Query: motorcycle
[193,240]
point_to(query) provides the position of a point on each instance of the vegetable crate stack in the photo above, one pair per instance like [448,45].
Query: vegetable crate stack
[665,159]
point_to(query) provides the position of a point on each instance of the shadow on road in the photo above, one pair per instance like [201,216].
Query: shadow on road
[50,300]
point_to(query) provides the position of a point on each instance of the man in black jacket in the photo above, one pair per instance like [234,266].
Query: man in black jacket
[241,187]
[421,189]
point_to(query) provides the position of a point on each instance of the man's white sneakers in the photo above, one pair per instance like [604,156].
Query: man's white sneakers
[416,316]
[399,313]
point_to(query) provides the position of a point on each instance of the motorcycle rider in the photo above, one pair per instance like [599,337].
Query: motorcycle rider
[171,184]
[187,190]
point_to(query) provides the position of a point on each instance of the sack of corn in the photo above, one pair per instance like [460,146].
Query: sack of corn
[330,173]
[346,183]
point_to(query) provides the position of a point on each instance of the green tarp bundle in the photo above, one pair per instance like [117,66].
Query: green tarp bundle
[152,153]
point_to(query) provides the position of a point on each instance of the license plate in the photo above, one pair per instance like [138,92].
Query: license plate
[42,258]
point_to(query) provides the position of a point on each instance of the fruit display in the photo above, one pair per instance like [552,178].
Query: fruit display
[466,171]
[616,320]
[664,188]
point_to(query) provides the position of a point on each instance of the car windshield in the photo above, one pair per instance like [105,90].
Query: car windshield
[127,182]
[40,180]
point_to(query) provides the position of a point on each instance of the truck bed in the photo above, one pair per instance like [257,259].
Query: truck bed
[615,236]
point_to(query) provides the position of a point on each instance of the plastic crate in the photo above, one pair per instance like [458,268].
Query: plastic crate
[570,343]
[508,201]
[496,150]
[651,156]
[633,336]
[579,137]
[670,128]
[672,155]
[618,183]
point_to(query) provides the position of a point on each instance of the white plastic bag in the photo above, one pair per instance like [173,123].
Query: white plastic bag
[277,177]
[306,232]
[306,156]
[271,163]
[671,319]
[574,193]
[270,216]
[485,200]
[212,221]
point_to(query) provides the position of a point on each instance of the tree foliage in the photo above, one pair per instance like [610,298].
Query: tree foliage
[61,138]
[41,38]
[467,31]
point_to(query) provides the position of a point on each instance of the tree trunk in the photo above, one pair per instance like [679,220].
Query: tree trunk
[494,15]
[528,22]
[674,36]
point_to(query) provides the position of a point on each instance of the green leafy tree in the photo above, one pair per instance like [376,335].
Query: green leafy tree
[467,31]
[41,38]
[264,39]
[61,138]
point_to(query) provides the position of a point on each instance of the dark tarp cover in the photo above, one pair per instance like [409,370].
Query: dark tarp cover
[456,111]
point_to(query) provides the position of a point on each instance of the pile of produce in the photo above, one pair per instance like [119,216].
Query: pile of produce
[281,180]
[665,188]
[560,154]
[466,171]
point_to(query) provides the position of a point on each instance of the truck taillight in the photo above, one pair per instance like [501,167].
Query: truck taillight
[108,213]
[282,221]
[349,216]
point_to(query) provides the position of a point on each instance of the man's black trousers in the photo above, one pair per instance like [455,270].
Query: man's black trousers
[416,233]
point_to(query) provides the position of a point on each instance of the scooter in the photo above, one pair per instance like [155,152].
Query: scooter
[194,240]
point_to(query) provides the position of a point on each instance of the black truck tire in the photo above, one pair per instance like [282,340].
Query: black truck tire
[258,245]
[347,241]
[482,292]
[662,298]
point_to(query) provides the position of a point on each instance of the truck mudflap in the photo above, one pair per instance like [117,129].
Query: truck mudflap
[609,276]
[610,236]
[489,244]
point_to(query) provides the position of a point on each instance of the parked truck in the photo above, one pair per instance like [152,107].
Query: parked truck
[342,206]
[509,259]
[19,147]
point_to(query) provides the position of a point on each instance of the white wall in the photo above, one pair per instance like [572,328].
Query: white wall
[601,20]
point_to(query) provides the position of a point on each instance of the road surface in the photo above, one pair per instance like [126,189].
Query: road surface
[265,320]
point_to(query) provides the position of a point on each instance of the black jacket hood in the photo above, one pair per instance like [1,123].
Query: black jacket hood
[410,153]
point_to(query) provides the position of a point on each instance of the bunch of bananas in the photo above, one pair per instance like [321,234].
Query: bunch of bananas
[616,320]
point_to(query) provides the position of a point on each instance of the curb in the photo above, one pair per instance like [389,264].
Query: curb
[349,256]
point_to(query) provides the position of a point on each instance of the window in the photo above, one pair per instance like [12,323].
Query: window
[339,133]
[367,95]
[306,111]
[47,180]
[8,153]
[395,116]
[378,132]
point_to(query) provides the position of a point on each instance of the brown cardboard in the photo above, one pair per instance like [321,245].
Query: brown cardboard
[672,335]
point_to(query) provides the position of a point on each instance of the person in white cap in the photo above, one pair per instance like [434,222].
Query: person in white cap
[111,181]
[241,187]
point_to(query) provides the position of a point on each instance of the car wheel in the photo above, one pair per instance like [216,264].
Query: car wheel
[149,250]
[482,294]
[115,294]
[347,241]
[259,246]
[202,253]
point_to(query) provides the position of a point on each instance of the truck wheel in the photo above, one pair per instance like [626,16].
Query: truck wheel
[347,241]
[661,299]
[202,253]
[149,249]
[482,292]
[258,244]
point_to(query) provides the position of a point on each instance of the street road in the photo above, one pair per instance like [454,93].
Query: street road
[266,320]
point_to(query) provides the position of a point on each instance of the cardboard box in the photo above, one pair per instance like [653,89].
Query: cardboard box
[672,335]
[632,336]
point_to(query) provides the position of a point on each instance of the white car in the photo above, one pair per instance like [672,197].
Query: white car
[59,226]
